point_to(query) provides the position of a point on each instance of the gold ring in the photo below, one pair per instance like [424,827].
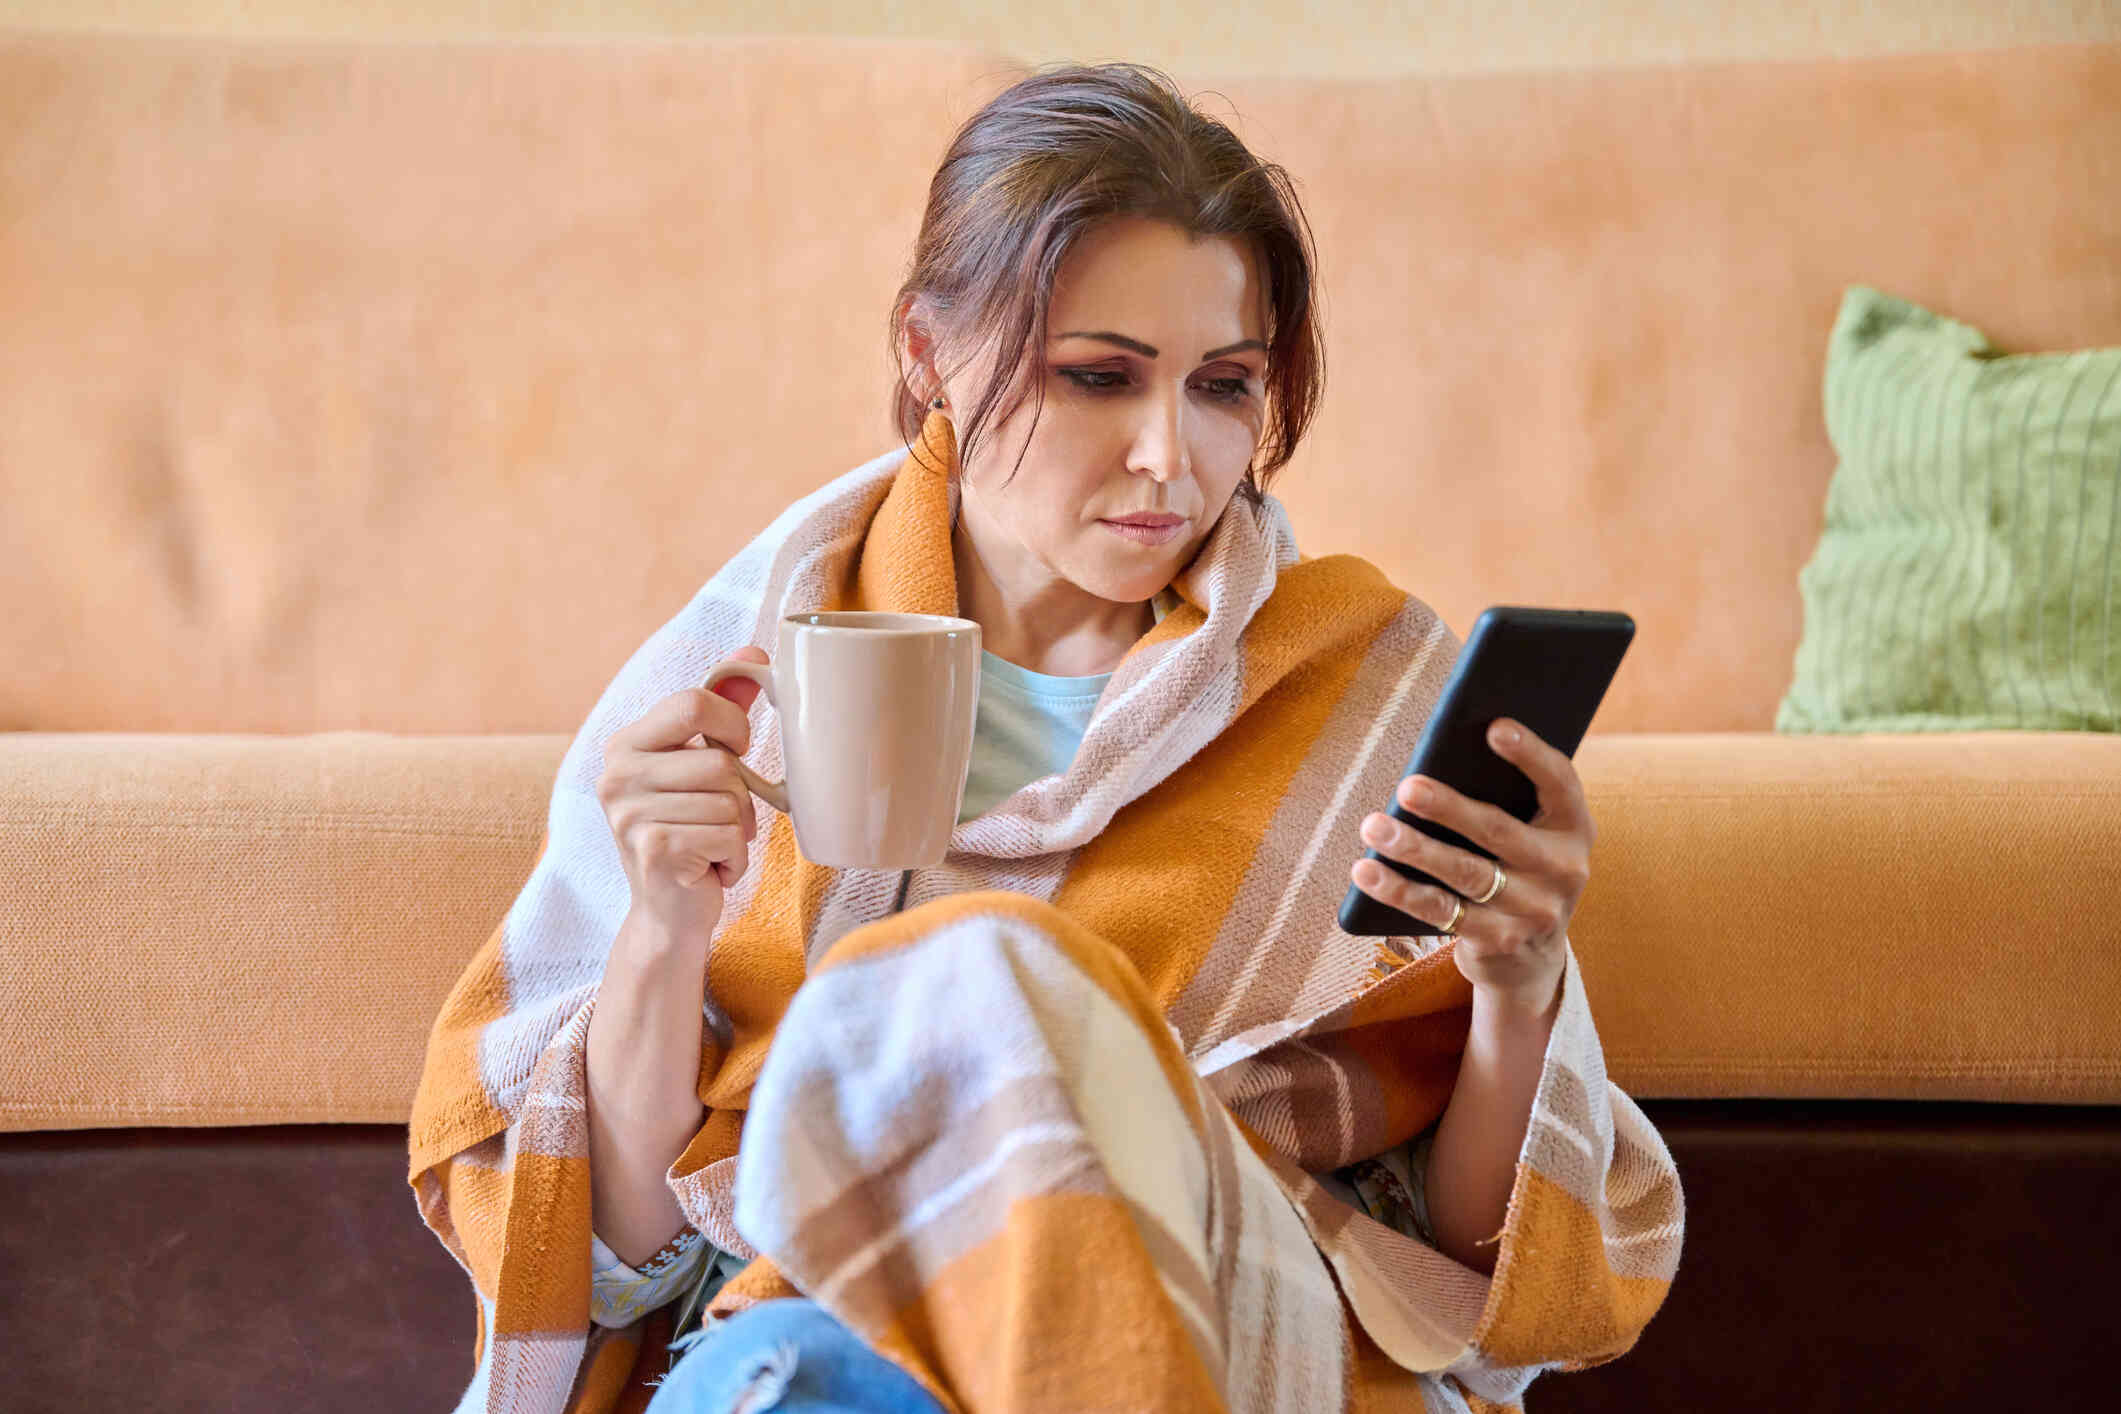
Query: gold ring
[1458,911]
[1494,888]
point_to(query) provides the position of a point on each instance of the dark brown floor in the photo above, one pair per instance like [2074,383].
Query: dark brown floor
[1840,1256]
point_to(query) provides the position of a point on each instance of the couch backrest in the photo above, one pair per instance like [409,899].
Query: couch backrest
[409,387]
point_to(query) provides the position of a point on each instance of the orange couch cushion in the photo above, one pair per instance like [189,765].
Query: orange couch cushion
[261,930]
[406,387]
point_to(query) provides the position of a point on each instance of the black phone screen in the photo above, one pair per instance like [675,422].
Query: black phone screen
[1546,668]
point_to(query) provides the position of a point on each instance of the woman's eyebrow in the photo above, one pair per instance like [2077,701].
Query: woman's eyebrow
[1148,351]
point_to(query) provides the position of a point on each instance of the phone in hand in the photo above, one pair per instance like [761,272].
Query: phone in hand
[1546,668]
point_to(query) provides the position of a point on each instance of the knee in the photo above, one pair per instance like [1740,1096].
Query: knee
[999,923]
[949,916]
[1006,903]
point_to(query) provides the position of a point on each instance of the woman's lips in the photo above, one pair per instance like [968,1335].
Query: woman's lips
[1146,530]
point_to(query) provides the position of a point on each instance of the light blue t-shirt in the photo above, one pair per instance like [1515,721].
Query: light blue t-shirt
[1029,725]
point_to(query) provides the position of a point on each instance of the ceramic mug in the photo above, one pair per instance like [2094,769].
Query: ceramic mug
[876,713]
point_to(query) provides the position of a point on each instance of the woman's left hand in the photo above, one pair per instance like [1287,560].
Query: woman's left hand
[1512,945]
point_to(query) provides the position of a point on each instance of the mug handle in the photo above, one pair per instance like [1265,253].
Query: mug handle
[774,793]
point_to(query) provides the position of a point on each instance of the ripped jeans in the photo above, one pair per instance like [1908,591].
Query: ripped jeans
[788,1357]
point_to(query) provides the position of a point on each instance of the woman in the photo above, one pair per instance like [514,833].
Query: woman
[1105,1112]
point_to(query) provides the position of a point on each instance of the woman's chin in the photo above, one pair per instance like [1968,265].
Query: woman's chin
[1135,588]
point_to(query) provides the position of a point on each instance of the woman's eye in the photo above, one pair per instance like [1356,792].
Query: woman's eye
[1229,390]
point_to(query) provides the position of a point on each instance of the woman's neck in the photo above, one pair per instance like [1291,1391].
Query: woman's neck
[1053,627]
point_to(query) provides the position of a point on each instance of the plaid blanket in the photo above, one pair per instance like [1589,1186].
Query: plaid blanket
[1044,1134]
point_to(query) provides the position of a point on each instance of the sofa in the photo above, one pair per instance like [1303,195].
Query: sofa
[364,405]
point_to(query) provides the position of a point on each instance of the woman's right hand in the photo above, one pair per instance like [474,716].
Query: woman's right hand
[681,814]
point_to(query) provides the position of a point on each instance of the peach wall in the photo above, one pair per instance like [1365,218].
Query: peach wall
[1254,36]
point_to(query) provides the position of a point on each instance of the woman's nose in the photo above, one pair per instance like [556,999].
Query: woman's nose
[1160,443]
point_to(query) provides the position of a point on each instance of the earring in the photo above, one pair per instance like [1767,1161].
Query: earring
[937,402]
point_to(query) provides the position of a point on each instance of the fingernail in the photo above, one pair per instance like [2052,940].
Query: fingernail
[1375,830]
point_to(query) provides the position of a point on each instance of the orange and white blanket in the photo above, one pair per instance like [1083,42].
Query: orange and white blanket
[1044,1137]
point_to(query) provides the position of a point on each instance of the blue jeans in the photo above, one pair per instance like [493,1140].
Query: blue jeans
[787,1356]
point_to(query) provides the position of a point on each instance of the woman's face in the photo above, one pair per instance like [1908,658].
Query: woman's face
[1152,371]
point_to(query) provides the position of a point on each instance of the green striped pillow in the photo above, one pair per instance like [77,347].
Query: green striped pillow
[1965,579]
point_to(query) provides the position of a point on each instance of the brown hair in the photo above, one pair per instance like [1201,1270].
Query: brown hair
[1069,146]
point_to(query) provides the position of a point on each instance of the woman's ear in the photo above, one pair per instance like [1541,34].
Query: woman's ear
[917,350]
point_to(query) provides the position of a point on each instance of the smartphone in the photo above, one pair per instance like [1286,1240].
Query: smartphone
[1546,668]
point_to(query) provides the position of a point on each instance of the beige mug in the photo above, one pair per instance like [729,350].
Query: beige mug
[876,713]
